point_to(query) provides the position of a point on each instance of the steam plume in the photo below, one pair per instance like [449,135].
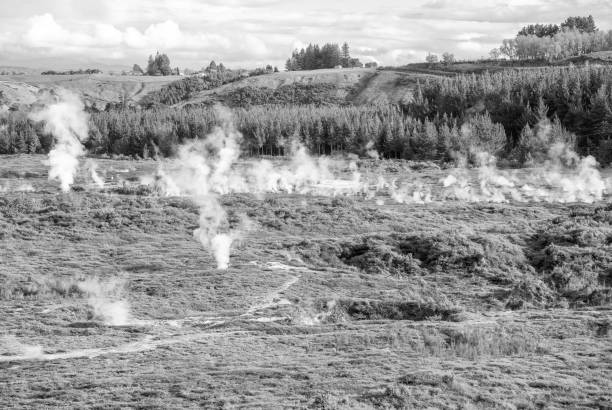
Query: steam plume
[12,346]
[93,167]
[105,298]
[203,170]
[67,121]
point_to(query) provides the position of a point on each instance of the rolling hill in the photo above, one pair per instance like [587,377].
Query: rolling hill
[356,85]
[96,90]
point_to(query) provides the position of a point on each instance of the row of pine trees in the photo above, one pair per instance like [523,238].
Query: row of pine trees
[579,98]
[270,130]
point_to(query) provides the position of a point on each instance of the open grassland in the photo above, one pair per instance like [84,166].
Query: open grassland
[329,302]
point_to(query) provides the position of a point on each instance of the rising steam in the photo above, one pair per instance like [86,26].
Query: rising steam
[67,122]
[564,177]
[10,345]
[202,170]
[106,301]
[93,172]
[207,168]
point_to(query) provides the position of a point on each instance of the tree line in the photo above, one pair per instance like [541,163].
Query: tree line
[72,72]
[269,129]
[581,24]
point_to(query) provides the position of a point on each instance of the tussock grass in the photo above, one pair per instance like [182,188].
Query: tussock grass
[40,287]
[575,255]
[474,343]
[395,310]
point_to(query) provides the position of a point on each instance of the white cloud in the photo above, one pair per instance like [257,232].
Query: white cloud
[254,46]
[470,46]
[468,36]
[107,35]
[166,35]
[134,38]
[250,32]
[45,32]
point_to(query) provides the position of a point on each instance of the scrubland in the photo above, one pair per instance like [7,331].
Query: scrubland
[329,302]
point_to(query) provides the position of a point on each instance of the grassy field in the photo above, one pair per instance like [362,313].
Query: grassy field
[328,303]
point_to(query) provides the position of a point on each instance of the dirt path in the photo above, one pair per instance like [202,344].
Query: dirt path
[273,299]
[139,91]
[149,342]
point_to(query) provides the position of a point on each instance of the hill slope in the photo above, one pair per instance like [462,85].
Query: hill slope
[357,85]
[96,90]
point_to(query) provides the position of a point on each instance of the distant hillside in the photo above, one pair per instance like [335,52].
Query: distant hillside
[96,90]
[330,86]
[354,85]
[492,66]
[598,57]
[9,70]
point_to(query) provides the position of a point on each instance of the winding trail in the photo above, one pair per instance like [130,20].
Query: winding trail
[147,343]
[273,299]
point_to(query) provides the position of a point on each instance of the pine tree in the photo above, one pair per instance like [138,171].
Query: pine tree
[152,68]
[345,55]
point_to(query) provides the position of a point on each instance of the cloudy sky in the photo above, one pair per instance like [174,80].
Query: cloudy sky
[249,33]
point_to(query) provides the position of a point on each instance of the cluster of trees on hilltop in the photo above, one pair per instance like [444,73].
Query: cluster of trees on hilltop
[581,24]
[315,57]
[578,98]
[158,65]
[574,37]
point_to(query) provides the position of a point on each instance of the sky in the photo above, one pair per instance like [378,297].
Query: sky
[70,34]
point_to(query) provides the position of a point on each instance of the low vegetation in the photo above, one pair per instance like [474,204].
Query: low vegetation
[390,306]
[72,72]
[290,94]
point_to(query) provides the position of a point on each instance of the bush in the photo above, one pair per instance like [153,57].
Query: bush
[575,256]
